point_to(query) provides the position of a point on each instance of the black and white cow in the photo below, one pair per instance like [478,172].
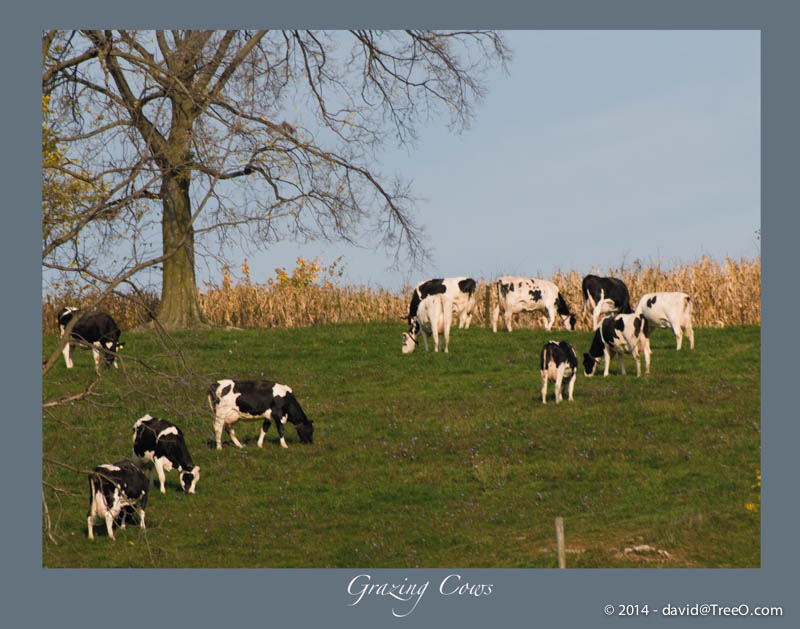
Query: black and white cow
[669,310]
[162,442]
[432,318]
[605,296]
[621,334]
[458,294]
[231,400]
[98,329]
[115,489]
[531,294]
[559,361]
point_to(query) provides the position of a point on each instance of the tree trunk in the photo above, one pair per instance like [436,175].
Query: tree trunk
[180,307]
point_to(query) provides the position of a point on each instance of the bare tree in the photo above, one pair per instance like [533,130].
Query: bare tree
[246,135]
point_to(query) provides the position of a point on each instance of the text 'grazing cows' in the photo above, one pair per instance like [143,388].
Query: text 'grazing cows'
[232,400]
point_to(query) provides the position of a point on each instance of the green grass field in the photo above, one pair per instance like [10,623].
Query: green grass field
[426,460]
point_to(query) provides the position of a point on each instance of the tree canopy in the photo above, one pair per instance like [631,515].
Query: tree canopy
[208,138]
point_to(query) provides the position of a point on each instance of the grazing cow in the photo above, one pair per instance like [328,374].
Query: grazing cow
[97,329]
[559,361]
[622,334]
[114,490]
[432,317]
[669,310]
[518,294]
[458,293]
[231,400]
[605,296]
[162,442]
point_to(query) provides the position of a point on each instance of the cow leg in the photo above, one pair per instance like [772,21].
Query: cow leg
[689,332]
[507,317]
[279,424]
[92,510]
[550,318]
[495,316]
[67,352]
[676,330]
[647,357]
[622,363]
[110,524]
[425,339]
[96,355]
[218,425]
[571,386]
[448,320]
[264,428]
[90,524]
[544,386]
[233,436]
[159,465]
[559,382]
[141,518]
[606,360]
[637,360]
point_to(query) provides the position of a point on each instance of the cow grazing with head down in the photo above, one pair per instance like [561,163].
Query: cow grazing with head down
[231,400]
[432,318]
[622,334]
[458,294]
[115,489]
[605,296]
[97,329]
[559,361]
[530,294]
[162,442]
[669,310]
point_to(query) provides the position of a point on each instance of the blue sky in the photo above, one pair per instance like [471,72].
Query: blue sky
[597,149]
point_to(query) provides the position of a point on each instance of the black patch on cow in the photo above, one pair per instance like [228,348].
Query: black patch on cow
[651,301]
[467,285]
[536,294]
[637,325]
[596,349]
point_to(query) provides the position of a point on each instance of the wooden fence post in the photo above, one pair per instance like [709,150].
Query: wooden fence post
[562,557]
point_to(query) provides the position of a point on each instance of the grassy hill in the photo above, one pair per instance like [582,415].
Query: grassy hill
[427,460]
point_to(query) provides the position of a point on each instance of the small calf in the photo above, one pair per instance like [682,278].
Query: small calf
[623,334]
[559,361]
[98,329]
[162,442]
[669,310]
[231,400]
[114,490]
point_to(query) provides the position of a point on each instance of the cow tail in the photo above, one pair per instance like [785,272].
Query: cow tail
[213,400]
[546,352]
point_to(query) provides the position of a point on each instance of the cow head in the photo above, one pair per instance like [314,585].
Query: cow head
[189,480]
[589,365]
[305,431]
[410,337]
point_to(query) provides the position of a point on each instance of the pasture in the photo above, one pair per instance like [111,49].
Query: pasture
[425,460]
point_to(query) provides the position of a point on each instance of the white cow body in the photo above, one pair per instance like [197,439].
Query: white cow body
[622,334]
[669,310]
[530,294]
[433,318]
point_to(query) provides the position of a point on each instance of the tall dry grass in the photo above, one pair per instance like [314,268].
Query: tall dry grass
[724,293]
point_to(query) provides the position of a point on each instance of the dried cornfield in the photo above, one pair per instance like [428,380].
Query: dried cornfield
[724,293]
